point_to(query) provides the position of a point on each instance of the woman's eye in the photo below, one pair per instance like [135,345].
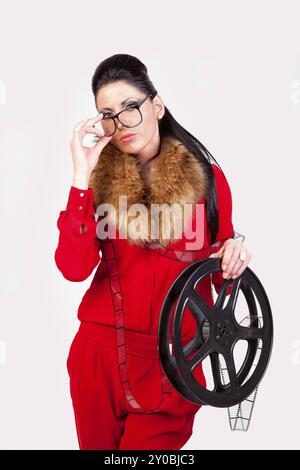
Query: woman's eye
[131,105]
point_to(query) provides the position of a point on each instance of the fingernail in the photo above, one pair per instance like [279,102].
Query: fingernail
[234,277]
[225,275]
[224,267]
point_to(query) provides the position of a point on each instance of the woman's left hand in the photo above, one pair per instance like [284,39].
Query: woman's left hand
[232,265]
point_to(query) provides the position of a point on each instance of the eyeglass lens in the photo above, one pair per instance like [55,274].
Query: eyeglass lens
[128,118]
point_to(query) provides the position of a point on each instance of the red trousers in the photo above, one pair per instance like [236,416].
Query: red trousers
[102,418]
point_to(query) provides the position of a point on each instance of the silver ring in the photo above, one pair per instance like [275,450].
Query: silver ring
[242,256]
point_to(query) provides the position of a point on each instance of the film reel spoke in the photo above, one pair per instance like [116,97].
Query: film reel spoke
[245,332]
[219,304]
[203,352]
[233,296]
[198,307]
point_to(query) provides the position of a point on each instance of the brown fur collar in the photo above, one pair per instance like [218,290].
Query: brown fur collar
[175,176]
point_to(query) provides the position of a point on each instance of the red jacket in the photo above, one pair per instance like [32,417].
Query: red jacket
[130,277]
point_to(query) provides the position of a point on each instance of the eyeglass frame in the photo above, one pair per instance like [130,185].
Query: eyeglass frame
[137,106]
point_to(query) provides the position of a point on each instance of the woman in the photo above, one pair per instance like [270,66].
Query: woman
[121,397]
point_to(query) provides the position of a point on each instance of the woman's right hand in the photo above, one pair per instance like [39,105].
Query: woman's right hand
[84,158]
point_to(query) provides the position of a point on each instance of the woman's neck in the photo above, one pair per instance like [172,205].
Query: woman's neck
[144,165]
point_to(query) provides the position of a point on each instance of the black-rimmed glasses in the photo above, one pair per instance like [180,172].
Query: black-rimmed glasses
[131,117]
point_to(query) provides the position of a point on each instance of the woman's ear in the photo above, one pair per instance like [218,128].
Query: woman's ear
[159,106]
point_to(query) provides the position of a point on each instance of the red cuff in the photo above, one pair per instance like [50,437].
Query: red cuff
[80,201]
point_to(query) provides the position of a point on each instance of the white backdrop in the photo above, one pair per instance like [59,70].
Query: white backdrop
[230,73]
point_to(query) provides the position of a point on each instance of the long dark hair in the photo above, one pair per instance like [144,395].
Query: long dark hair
[131,69]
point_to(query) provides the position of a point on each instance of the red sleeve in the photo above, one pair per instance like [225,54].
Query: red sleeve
[77,252]
[226,229]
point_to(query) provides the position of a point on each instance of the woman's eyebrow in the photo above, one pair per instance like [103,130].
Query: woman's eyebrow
[123,102]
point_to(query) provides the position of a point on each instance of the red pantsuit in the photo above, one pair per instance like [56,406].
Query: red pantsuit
[103,420]
[120,395]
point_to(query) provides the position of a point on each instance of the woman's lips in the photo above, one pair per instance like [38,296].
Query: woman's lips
[124,139]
